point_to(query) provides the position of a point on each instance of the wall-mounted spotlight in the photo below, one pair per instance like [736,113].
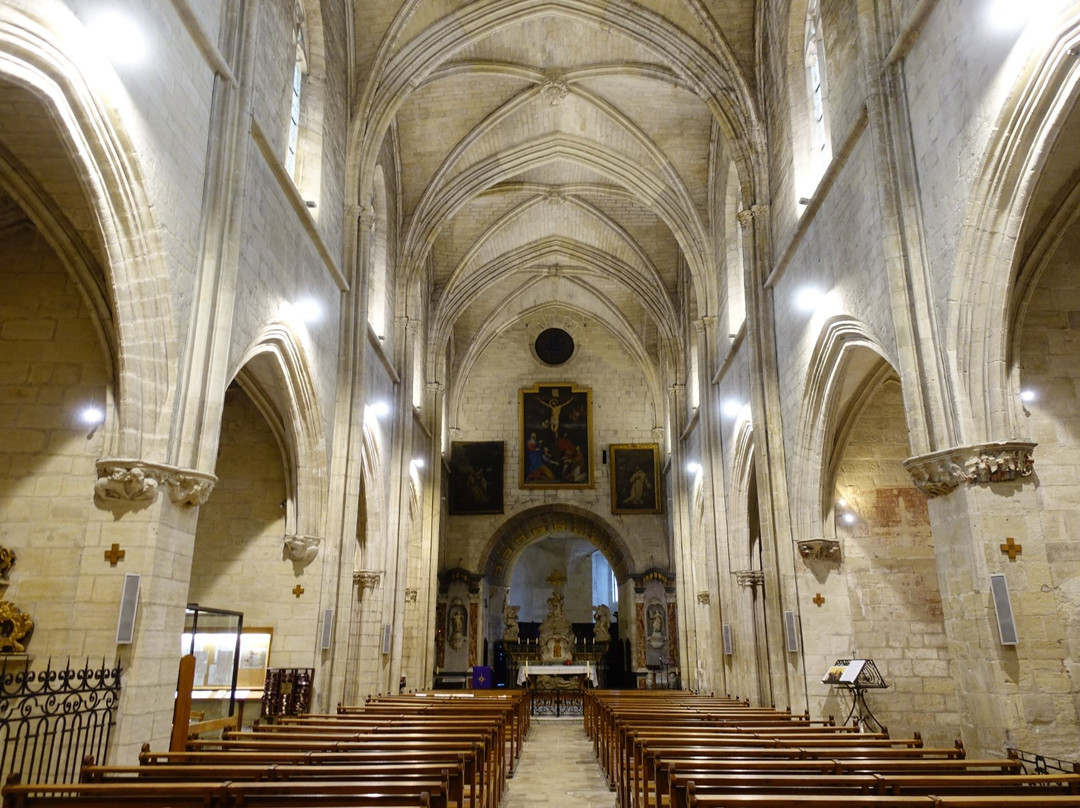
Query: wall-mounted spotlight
[308,310]
[92,415]
[808,299]
[118,37]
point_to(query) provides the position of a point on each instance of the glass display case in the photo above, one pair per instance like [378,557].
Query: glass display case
[230,658]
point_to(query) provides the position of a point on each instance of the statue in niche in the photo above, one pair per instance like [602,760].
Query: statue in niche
[458,620]
[510,617]
[654,618]
[602,626]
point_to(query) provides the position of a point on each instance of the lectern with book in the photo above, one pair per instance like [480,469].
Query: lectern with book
[857,676]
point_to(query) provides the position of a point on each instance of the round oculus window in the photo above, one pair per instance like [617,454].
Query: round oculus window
[554,346]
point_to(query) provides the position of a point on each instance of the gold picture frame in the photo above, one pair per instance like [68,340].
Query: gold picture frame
[556,436]
[635,478]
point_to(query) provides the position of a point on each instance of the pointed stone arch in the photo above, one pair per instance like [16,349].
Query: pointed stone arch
[848,364]
[982,320]
[117,260]
[534,524]
[276,375]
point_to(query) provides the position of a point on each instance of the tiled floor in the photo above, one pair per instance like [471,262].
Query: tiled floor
[557,769]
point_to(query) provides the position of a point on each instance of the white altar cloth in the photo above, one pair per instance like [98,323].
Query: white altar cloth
[525,671]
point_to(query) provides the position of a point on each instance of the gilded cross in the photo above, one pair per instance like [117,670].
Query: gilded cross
[298,590]
[818,600]
[114,554]
[1011,548]
[555,579]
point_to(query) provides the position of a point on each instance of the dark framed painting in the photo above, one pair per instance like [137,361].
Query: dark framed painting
[635,478]
[476,477]
[556,436]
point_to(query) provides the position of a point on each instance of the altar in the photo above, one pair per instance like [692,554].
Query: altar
[566,676]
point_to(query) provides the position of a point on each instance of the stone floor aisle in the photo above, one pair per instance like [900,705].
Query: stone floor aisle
[558,769]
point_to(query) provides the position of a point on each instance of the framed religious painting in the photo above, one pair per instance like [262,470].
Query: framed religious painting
[476,477]
[556,436]
[635,478]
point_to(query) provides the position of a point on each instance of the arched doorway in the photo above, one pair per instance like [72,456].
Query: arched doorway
[548,549]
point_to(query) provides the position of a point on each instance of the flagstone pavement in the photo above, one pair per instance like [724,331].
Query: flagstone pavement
[558,768]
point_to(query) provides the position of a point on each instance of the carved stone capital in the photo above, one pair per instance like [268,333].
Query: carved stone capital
[366,579]
[750,578]
[435,388]
[302,549]
[658,434]
[554,196]
[819,549]
[189,487]
[703,598]
[940,473]
[366,216]
[411,594]
[132,483]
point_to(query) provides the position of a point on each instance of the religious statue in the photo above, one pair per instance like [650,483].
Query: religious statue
[602,626]
[556,633]
[655,618]
[510,616]
[457,618]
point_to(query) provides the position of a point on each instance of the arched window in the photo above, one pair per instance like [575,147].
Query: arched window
[816,88]
[299,69]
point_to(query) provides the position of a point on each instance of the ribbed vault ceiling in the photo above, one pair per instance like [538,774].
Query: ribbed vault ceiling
[557,151]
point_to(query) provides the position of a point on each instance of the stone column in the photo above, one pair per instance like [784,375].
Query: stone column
[155,537]
[981,507]
[787,671]
[682,492]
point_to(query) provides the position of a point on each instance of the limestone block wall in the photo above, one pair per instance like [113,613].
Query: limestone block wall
[51,368]
[622,412]
[238,562]
[890,568]
[1044,580]
[953,121]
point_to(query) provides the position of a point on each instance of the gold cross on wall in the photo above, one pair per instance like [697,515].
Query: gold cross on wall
[818,600]
[114,554]
[1011,548]
[298,590]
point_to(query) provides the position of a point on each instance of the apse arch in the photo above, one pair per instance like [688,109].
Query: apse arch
[535,524]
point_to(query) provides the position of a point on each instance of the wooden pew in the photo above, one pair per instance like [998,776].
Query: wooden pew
[490,762]
[882,801]
[451,779]
[183,794]
[864,783]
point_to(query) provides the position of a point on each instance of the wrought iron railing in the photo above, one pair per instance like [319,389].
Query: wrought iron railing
[1041,764]
[53,718]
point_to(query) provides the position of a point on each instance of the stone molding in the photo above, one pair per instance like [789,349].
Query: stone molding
[366,579]
[302,549]
[128,482]
[940,473]
[750,578]
[819,549]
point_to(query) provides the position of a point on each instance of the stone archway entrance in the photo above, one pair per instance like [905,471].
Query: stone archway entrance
[557,545]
